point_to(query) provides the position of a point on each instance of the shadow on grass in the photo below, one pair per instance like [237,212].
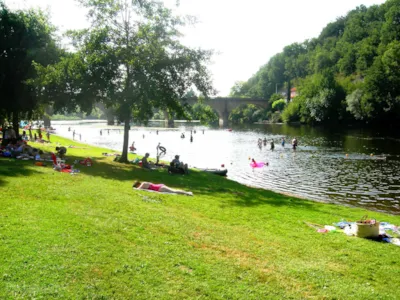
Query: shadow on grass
[10,167]
[229,192]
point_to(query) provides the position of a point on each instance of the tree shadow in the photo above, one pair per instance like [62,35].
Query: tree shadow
[10,167]
[229,192]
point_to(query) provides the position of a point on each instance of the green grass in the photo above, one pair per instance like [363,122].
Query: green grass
[91,236]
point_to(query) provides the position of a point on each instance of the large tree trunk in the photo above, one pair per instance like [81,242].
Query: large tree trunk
[46,116]
[46,121]
[15,122]
[126,116]
[124,156]
[288,92]
[3,129]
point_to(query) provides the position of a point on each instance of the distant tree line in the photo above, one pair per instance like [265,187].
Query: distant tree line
[350,73]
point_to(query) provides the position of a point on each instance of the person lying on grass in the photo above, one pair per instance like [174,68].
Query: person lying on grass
[162,188]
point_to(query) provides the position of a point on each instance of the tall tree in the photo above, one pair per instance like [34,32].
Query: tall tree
[131,59]
[25,36]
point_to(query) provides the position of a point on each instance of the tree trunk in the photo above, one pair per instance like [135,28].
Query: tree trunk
[46,121]
[124,156]
[288,92]
[15,122]
[126,116]
[2,124]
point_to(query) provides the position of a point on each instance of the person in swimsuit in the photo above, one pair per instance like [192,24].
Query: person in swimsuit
[162,188]
[294,143]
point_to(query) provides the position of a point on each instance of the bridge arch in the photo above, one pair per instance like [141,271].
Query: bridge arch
[224,106]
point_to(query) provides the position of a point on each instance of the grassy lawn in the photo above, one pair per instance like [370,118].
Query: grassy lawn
[90,235]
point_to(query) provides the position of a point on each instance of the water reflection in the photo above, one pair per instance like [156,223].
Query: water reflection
[355,167]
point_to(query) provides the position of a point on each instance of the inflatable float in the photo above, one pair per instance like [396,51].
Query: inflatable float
[258,164]
[162,149]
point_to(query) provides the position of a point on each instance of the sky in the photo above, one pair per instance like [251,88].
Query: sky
[245,34]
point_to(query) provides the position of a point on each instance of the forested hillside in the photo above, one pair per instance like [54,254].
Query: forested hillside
[350,73]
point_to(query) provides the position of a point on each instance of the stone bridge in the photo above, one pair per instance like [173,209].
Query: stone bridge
[224,106]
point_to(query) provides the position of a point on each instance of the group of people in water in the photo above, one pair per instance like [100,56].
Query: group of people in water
[272,143]
[74,133]
[191,135]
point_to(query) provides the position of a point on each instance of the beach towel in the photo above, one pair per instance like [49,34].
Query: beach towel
[159,192]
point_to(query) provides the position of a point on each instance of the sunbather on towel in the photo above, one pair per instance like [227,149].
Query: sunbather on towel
[159,188]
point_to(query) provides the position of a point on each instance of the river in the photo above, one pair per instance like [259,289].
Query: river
[350,166]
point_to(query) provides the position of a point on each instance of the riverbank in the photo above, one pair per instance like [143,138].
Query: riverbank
[90,235]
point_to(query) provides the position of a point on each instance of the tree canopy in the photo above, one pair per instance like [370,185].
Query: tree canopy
[25,37]
[129,59]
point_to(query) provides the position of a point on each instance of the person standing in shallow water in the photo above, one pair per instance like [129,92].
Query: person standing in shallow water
[283,142]
[294,143]
[272,145]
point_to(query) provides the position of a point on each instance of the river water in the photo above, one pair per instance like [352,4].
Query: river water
[352,167]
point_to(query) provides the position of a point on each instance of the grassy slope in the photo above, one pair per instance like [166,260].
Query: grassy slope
[91,236]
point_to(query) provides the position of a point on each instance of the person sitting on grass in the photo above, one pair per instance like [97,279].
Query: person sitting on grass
[146,164]
[176,163]
[39,155]
[61,151]
[162,188]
